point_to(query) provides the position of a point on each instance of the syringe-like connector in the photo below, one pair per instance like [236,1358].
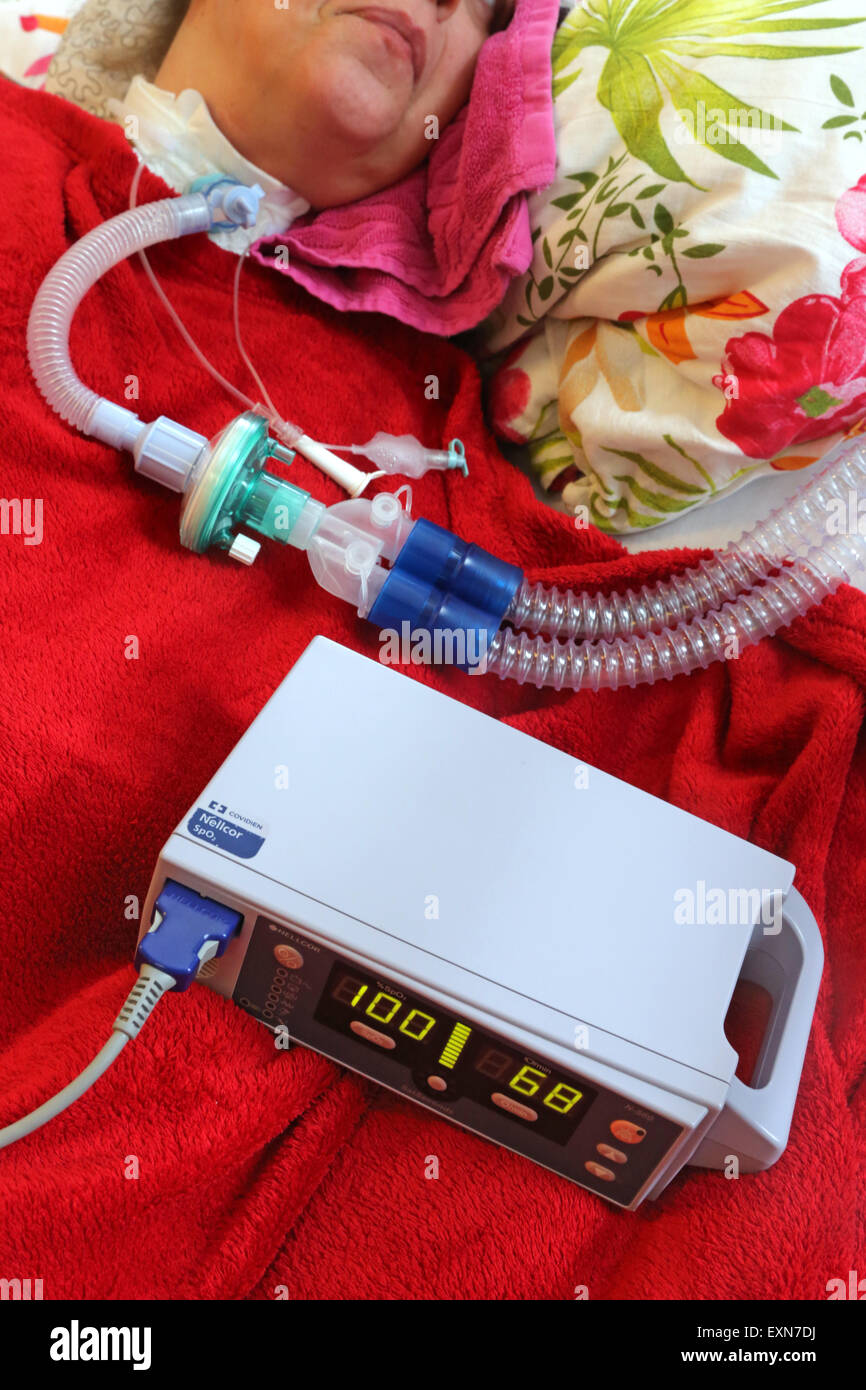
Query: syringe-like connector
[406,456]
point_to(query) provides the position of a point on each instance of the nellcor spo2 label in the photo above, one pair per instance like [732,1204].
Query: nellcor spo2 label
[216,830]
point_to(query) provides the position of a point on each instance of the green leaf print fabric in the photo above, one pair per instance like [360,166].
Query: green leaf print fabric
[695,312]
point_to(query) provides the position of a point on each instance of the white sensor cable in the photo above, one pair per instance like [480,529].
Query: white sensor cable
[145,994]
[186,931]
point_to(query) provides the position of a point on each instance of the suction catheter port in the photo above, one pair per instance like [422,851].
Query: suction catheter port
[403,454]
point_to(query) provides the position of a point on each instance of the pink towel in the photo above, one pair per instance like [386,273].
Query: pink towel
[438,249]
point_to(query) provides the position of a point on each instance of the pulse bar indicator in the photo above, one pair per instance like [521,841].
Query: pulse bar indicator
[454,1045]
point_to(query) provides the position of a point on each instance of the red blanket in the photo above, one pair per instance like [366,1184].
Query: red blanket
[233,1170]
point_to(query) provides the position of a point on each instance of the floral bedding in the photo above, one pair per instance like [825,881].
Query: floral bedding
[29,36]
[695,312]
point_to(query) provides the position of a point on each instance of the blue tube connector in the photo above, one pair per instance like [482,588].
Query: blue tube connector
[439,582]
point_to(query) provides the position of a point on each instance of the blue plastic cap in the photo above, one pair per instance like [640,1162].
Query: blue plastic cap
[439,582]
[188,922]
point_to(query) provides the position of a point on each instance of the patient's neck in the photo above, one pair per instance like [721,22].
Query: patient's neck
[196,59]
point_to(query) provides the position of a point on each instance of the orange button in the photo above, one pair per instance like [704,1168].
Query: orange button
[615,1155]
[437,1083]
[289,957]
[513,1106]
[371,1034]
[598,1170]
[626,1132]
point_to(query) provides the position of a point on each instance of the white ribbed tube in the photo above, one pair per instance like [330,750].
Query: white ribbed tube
[792,530]
[679,650]
[63,290]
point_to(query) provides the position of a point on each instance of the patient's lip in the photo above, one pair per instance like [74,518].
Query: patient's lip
[396,19]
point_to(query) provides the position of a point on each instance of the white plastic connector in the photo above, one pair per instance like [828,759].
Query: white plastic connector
[244,549]
[350,542]
[381,518]
[384,510]
[168,452]
[240,203]
[114,424]
[352,479]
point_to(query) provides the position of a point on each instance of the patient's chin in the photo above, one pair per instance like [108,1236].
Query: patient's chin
[358,106]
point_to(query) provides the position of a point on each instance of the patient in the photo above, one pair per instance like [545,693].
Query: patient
[331,96]
[682,307]
[349,85]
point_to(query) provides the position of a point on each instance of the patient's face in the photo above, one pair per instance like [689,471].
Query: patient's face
[325,94]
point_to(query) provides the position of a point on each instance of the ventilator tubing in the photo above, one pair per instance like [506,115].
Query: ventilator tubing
[792,529]
[66,285]
[775,573]
[712,611]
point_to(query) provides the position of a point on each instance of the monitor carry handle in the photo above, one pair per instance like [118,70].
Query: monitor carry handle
[753,1125]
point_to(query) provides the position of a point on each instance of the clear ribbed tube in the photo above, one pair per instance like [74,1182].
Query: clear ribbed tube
[66,285]
[715,636]
[791,531]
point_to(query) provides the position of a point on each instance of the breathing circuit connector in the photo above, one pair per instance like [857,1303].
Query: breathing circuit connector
[230,488]
[238,202]
[435,582]
[439,582]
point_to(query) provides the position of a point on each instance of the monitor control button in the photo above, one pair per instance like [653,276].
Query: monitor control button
[524,1112]
[627,1133]
[615,1155]
[598,1170]
[437,1083]
[371,1034]
[289,957]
